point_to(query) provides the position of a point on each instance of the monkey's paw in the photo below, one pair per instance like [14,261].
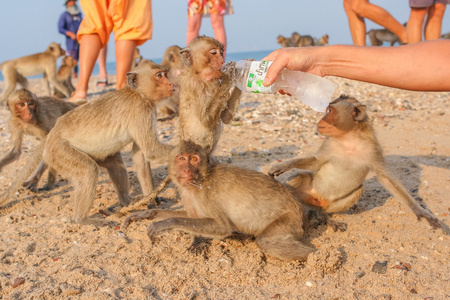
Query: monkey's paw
[278,169]
[156,228]
[148,214]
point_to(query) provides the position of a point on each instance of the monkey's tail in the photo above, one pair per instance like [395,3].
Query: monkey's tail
[32,164]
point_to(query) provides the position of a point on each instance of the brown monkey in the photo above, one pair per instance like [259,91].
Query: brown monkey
[137,58]
[65,75]
[324,40]
[445,35]
[207,98]
[221,199]
[207,95]
[93,134]
[332,179]
[378,36]
[285,41]
[172,61]
[34,116]
[16,70]
[302,40]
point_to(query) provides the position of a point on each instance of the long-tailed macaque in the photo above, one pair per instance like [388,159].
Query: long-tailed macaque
[65,75]
[93,134]
[332,179]
[172,61]
[207,95]
[207,98]
[15,70]
[302,40]
[378,36]
[221,199]
[33,116]
[285,41]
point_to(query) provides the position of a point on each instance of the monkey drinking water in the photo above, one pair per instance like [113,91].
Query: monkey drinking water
[332,179]
[221,199]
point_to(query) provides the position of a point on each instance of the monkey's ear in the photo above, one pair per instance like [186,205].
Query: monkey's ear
[132,79]
[172,57]
[359,113]
[186,57]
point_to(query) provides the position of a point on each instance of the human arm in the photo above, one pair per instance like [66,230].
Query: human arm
[421,66]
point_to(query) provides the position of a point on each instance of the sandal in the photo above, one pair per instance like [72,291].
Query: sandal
[102,82]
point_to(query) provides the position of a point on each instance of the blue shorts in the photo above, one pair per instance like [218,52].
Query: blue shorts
[425,3]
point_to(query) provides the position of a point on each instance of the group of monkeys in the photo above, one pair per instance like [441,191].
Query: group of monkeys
[297,40]
[218,198]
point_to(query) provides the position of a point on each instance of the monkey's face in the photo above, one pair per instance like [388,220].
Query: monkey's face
[213,63]
[342,115]
[186,168]
[26,111]
[163,87]
[56,50]
[69,61]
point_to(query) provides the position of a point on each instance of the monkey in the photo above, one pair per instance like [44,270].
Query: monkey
[207,95]
[445,35]
[221,199]
[207,99]
[172,61]
[15,70]
[302,40]
[93,134]
[378,36]
[137,58]
[322,41]
[285,41]
[332,179]
[35,116]
[65,76]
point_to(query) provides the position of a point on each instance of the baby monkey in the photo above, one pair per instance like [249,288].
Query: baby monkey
[221,199]
[332,179]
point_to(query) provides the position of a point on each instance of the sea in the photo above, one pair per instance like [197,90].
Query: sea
[234,56]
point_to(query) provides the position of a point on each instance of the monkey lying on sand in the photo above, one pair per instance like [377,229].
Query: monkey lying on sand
[332,179]
[93,134]
[221,199]
[36,116]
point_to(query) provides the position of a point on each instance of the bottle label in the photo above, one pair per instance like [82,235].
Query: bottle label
[256,75]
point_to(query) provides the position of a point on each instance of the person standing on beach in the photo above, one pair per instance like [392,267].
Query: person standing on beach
[434,11]
[216,10]
[68,24]
[357,10]
[132,24]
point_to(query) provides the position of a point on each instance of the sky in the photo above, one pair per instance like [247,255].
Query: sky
[29,26]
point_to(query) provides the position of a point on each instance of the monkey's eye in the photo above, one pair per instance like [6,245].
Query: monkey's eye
[329,110]
[213,51]
[31,104]
[160,74]
[21,104]
[194,159]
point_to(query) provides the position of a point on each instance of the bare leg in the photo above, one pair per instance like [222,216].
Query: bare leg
[124,60]
[89,49]
[193,27]
[433,24]
[415,24]
[356,24]
[218,26]
[103,73]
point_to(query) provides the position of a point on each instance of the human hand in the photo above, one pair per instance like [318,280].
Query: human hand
[72,35]
[297,59]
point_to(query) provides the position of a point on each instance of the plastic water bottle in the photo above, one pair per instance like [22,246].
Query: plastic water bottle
[310,89]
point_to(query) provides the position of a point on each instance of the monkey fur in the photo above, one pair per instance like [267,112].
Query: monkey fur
[93,134]
[35,116]
[219,200]
[65,75]
[332,179]
[16,70]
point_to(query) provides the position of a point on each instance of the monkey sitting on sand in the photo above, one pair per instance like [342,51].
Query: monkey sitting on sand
[332,179]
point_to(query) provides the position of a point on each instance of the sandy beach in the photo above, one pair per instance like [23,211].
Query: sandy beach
[386,253]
